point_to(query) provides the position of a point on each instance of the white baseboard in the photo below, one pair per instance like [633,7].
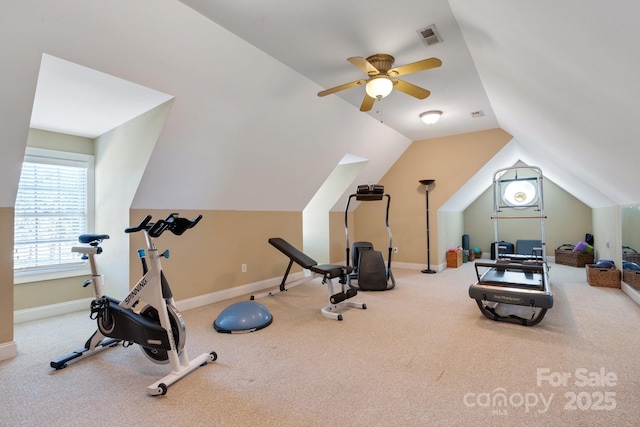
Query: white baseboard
[236,291]
[8,350]
[36,313]
[43,312]
[28,314]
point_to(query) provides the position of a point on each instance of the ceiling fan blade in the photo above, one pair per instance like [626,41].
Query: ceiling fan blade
[364,65]
[414,67]
[411,89]
[367,103]
[342,87]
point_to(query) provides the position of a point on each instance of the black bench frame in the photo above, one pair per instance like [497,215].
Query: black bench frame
[328,272]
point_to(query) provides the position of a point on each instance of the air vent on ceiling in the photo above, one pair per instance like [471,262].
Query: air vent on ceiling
[477,114]
[429,35]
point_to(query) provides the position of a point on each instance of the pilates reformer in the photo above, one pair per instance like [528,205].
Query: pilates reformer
[328,272]
[515,287]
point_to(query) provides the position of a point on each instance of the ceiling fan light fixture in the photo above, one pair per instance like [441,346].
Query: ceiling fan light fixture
[379,87]
[431,117]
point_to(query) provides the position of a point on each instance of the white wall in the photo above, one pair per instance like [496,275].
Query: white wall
[450,231]
[607,234]
[121,158]
[315,216]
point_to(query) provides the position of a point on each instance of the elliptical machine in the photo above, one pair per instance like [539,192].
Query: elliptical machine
[157,327]
[369,270]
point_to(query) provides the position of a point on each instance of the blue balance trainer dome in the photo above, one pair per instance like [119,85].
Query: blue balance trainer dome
[243,317]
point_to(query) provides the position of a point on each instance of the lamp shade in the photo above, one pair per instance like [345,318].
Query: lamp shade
[430,117]
[379,87]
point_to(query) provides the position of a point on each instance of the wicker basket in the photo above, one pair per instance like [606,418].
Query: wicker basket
[631,278]
[631,257]
[603,277]
[573,258]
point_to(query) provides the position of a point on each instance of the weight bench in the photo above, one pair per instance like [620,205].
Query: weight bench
[326,271]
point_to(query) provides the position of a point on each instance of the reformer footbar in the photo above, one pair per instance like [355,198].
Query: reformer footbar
[328,272]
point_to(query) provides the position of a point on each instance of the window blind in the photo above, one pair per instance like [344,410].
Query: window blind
[50,214]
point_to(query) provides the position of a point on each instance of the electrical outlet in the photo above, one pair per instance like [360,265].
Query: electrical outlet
[395,250]
[244,268]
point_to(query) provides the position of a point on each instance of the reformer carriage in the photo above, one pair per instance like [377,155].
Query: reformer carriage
[515,287]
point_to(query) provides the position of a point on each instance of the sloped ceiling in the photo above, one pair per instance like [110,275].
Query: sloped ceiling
[316,38]
[80,101]
[238,137]
[558,76]
[561,79]
[511,154]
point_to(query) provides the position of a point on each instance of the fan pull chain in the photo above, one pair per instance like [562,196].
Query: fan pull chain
[379,112]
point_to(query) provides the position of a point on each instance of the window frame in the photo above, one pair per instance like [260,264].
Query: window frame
[61,158]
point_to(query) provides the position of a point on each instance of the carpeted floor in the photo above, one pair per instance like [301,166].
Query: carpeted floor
[421,354]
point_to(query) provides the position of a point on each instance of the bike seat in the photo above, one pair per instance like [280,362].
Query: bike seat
[88,238]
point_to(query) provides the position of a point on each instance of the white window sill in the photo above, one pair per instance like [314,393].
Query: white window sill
[19,278]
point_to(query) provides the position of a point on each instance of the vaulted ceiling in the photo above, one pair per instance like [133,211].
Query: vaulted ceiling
[558,76]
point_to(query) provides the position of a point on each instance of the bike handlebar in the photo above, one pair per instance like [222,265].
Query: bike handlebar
[140,226]
[173,223]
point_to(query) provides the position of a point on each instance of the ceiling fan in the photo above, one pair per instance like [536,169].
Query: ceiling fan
[382,78]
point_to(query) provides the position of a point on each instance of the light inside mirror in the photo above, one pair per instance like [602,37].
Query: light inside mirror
[519,193]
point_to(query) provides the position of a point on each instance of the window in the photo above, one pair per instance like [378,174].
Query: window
[53,207]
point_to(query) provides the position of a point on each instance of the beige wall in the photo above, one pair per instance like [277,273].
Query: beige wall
[46,292]
[568,219]
[205,259]
[208,257]
[451,161]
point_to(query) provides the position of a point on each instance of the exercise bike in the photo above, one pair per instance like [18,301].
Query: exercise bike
[158,326]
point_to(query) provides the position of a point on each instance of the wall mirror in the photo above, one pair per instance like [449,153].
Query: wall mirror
[630,228]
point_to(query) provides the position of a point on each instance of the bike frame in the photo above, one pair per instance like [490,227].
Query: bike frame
[153,290]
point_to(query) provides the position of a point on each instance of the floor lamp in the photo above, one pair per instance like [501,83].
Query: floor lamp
[427,183]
